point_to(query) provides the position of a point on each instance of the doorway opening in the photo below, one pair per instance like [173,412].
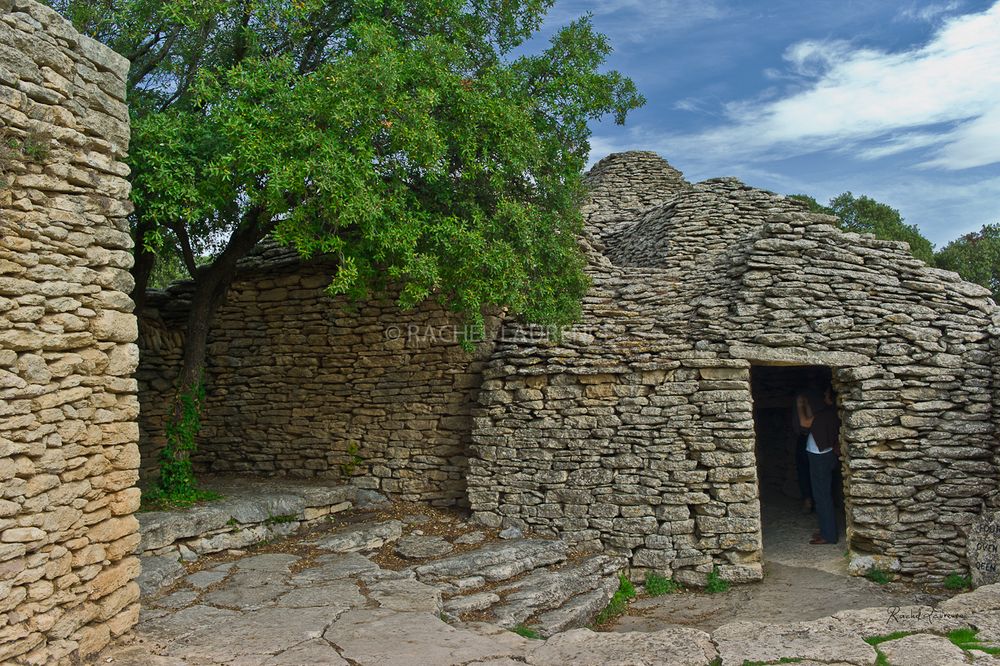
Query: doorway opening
[788,516]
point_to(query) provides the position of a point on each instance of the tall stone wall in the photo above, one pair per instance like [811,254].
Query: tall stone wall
[68,436]
[301,384]
[635,431]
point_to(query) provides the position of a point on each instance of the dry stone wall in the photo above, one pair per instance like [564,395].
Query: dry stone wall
[68,407]
[301,384]
[635,432]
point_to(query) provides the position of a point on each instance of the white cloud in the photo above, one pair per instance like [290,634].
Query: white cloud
[928,12]
[849,96]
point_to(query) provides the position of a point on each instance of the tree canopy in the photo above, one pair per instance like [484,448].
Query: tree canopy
[399,136]
[976,257]
[404,138]
[865,215]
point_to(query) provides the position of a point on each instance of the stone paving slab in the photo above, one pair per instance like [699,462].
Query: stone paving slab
[416,638]
[307,607]
[738,642]
[583,647]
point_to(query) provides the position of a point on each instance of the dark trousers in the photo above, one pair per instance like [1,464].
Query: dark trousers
[821,469]
[802,467]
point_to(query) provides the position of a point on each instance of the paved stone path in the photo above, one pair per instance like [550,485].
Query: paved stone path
[375,593]
[801,582]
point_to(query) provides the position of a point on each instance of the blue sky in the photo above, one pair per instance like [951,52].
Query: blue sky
[897,100]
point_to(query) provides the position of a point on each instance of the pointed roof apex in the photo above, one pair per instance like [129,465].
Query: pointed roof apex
[641,169]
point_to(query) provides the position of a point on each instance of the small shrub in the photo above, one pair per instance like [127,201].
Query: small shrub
[526,631]
[657,585]
[232,522]
[968,639]
[354,459]
[714,583]
[876,575]
[956,581]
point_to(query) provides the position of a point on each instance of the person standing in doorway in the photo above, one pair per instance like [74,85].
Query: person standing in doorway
[801,457]
[818,413]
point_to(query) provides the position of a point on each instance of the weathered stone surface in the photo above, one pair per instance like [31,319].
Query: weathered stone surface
[316,651]
[583,647]
[159,572]
[578,611]
[334,567]
[407,596]
[983,549]
[421,547]
[337,595]
[470,602]
[923,649]
[247,590]
[547,589]
[367,536]
[820,640]
[982,599]
[473,537]
[68,438]
[495,561]
[413,634]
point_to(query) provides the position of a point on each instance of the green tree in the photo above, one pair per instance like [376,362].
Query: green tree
[976,257]
[865,215]
[402,137]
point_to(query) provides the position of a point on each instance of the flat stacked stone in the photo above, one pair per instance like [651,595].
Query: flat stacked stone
[68,437]
[634,431]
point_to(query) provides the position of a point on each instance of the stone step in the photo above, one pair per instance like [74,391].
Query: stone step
[549,589]
[578,612]
[362,537]
[492,562]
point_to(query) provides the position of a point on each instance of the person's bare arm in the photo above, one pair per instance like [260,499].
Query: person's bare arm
[805,413]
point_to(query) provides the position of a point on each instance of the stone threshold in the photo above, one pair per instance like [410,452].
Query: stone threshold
[251,511]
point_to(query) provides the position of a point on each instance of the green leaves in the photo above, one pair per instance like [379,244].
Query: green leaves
[976,257]
[395,135]
[865,215]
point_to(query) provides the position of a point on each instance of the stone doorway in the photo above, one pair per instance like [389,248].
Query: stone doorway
[783,477]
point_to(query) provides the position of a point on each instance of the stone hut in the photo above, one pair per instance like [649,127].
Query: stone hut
[654,425]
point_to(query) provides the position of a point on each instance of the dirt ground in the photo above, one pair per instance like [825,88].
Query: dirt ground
[801,582]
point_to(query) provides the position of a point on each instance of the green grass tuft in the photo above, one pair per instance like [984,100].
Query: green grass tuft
[714,583]
[526,631]
[956,581]
[968,639]
[657,585]
[876,640]
[619,602]
[876,575]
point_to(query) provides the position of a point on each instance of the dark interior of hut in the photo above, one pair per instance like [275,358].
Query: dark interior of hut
[784,479]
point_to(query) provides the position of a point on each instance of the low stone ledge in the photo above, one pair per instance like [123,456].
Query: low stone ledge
[250,512]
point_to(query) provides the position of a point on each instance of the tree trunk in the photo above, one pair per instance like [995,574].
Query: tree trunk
[142,269]
[177,479]
[211,284]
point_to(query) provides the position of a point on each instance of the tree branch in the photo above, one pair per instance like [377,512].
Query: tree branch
[186,252]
